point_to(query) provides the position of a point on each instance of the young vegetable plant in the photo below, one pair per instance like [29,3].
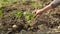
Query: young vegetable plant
[38,3]
[1,14]
[29,16]
[34,5]
[0,5]
[18,13]
[6,0]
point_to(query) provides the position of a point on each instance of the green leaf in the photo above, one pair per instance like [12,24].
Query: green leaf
[29,21]
[0,5]
[5,0]
[29,16]
[18,13]
[34,5]
[1,14]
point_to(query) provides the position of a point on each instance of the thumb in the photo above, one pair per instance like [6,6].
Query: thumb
[36,14]
[34,11]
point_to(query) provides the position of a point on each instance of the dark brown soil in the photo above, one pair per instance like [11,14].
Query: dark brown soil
[46,24]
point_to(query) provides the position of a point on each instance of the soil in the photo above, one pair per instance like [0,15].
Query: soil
[47,23]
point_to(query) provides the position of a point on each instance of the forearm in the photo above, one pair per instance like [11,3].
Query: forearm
[47,8]
[53,4]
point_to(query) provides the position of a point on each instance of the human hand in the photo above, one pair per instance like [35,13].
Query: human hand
[36,12]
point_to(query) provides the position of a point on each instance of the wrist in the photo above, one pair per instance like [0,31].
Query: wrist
[41,11]
[47,8]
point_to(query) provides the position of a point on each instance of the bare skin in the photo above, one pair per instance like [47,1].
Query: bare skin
[36,12]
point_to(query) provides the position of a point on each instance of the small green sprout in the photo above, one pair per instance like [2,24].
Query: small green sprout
[18,13]
[1,14]
[6,0]
[0,5]
[34,5]
[29,16]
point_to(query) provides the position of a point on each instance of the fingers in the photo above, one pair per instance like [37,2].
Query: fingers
[36,14]
[34,11]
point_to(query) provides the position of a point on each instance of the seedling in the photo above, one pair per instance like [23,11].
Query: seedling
[0,5]
[29,16]
[5,0]
[1,14]
[18,13]
[34,5]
